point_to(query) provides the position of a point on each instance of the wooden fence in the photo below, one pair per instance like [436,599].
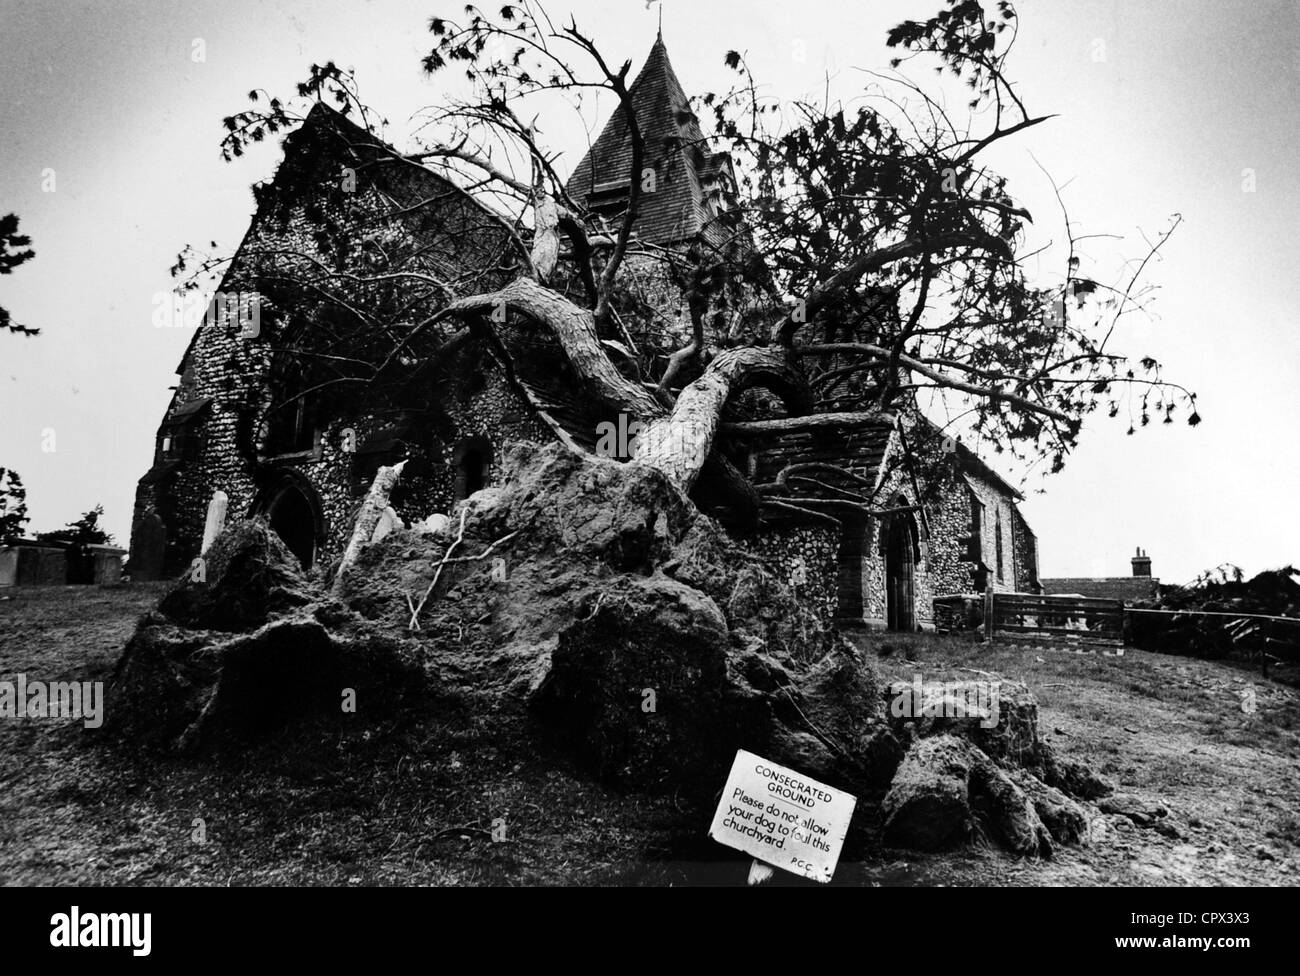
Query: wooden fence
[1092,621]
[1067,619]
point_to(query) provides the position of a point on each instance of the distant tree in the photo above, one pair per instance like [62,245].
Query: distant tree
[13,505]
[85,531]
[1219,575]
[13,252]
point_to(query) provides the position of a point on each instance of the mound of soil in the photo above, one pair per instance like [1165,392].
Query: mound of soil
[981,773]
[242,581]
[238,651]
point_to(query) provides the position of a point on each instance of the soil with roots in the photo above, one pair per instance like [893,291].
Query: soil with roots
[583,609]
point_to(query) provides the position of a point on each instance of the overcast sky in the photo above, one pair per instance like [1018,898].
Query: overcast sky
[1163,108]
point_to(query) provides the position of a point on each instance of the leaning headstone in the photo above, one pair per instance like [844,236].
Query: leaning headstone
[8,566]
[148,547]
[216,518]
[388,521]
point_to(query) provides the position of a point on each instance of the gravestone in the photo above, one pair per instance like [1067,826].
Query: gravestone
[148,547]
[107,564]
[42,566]
[216,518]
[388,521]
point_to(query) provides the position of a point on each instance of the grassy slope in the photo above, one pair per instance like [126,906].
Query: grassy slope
[1169,728]
[417,805]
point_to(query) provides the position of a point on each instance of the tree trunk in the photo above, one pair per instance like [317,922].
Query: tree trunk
[814,421]
[575,329]
[676,443]
[679,444]
[546,236]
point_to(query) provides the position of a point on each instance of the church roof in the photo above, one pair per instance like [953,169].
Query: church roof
[687,174]
[855,450]
[1126,588]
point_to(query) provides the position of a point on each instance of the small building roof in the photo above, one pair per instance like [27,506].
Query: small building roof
[850,455]
[187,412]
[971,463]
[1126,588]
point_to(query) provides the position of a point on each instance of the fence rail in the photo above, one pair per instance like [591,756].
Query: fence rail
[1072,619]
[1096,621]
[1068,619]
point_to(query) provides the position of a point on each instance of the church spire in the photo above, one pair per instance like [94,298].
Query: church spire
[678,170]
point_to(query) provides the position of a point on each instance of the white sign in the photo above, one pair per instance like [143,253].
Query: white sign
[782,817]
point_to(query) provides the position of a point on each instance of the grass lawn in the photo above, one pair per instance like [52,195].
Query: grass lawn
[420,805]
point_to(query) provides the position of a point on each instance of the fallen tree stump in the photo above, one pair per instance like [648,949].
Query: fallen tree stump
[976,768]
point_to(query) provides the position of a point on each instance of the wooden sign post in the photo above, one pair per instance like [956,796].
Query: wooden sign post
[783,818]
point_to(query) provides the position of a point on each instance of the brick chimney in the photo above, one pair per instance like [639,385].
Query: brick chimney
[1141,564]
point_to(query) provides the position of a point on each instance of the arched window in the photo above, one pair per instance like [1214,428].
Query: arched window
[181,437]
[975,541]
[291,425]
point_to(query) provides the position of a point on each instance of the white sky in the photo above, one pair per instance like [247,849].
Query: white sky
[1189,95]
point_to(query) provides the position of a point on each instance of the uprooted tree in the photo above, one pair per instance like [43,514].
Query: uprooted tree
[864,262]
[864,259]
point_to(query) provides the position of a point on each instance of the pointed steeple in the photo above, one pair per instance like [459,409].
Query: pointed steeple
[680,175]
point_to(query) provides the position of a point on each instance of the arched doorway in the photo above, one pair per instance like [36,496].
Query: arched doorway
[472,462]
[899,544]
[292,508]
